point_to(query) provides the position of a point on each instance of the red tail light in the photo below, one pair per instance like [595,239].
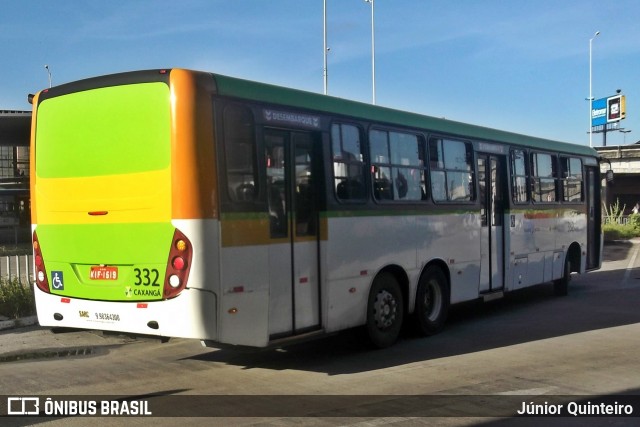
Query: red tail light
[178,265]
[40,271]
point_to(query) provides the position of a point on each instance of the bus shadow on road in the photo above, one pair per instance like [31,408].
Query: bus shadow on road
[523,316]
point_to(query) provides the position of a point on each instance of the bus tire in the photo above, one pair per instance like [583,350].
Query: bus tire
[385,311]
[561,285]
[432,301]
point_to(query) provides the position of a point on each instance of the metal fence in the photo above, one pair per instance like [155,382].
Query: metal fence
[20,266]
[620,220]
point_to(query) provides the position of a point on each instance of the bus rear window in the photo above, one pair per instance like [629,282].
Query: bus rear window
[104,131]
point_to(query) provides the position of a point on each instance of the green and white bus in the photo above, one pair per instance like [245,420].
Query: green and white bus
[186,204]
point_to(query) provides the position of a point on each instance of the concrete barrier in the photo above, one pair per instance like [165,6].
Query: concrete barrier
[20,266]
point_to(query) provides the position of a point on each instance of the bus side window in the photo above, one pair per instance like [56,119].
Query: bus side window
[451,164]
[397,166]
[519,188]
[240,153]
[544,177]
[571,179]
[348,166]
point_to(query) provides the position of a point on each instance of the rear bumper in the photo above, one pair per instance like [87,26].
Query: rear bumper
[192,314]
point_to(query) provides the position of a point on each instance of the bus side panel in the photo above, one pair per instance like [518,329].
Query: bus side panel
[572,227]
[533,225]
[520,239]
[244,295]
[540,241]
[373,243]
[407,241]
[545,241]
[455,239]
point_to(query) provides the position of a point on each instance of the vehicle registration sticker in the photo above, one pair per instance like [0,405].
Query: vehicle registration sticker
[103,273]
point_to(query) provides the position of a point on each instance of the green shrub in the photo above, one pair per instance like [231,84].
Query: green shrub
[634,221]
[619,232]
[613,229]
[614,212]
[16,299]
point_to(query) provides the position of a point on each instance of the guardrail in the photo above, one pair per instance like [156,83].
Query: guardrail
[621,220]
[20,266]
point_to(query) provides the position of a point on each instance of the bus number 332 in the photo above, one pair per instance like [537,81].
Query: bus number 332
[146,277]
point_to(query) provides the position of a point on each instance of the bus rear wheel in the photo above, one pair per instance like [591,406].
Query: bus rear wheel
[432,301]
[385,311]
[561,285]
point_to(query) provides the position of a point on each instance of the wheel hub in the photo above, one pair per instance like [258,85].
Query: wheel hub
[432,301]
[385,308]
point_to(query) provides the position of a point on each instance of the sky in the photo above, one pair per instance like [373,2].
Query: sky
[521,66]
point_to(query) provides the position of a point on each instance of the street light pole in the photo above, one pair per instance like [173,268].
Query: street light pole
[624,135]
[324,28]
[373,52]
[46,67]
[590,94]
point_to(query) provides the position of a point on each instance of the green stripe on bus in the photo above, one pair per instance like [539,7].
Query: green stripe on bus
[363,213]
[290,98]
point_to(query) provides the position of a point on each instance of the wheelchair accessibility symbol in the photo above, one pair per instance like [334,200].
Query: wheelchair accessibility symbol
[57,280]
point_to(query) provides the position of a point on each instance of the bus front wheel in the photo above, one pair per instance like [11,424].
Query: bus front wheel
[432,301]
[385,311]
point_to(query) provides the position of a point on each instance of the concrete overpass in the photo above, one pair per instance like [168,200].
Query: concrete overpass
[625,163]
[15,128]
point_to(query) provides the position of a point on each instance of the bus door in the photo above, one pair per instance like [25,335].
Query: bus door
[593,233]
[491,184]
[294,295]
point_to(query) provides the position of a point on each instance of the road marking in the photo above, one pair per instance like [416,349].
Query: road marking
[380,422]
[528,392]
[632,261]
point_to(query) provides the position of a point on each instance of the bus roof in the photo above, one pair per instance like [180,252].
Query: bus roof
[234,87]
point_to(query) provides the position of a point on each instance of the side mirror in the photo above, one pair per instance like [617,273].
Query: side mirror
[609,175]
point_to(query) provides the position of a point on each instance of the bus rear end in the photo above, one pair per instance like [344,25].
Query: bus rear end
[111,250]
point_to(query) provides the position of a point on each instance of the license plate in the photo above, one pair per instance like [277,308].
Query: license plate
[103,273]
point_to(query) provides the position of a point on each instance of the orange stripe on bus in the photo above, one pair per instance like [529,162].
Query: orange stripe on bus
[32,160]
[194,185]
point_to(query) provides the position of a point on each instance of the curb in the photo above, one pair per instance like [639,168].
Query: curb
[50,353]
[18,323]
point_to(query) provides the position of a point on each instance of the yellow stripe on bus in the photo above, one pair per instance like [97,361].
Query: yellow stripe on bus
[127,198]
[245,231]
[256,230]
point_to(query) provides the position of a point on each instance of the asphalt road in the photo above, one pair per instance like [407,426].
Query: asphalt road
[490,359]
